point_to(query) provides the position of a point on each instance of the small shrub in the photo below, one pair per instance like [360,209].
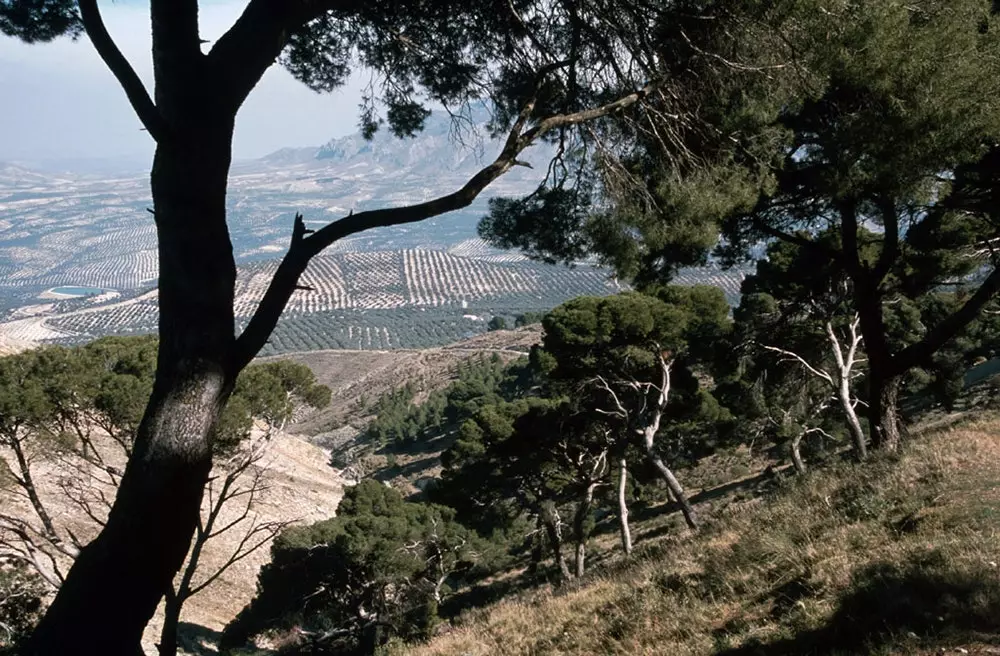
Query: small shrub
[21,595]
[860,501]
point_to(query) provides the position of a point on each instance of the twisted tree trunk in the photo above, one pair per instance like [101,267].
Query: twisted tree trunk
[883,412]
[797,462]
[857,433]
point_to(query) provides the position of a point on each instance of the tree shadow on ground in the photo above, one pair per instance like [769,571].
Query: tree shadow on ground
[923,604]
[435,442]
[486,594]
[640,514]
[407,470]
[199,640]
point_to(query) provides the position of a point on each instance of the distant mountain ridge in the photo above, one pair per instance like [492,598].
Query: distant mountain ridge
[432,144]
[17,176]
[443,146]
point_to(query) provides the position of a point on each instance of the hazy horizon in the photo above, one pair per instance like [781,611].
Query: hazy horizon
[62,105]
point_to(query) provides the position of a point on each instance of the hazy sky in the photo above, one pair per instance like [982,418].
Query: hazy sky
[58,101]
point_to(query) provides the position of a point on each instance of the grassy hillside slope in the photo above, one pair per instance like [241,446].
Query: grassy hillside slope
[897,556]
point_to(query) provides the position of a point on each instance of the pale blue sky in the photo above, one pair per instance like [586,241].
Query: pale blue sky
[58,101]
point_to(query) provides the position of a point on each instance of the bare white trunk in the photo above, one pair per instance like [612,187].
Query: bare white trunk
[847,406]
[580,521]
[623,507]
[840,382]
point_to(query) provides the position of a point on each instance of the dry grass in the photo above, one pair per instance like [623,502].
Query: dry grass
[897,556]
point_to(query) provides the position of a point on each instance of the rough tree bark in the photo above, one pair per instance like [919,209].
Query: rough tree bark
[132,562]
[553,528]
[793,447]
[883,412]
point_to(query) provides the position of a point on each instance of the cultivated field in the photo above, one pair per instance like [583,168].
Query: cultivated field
[412,298]
[409,298]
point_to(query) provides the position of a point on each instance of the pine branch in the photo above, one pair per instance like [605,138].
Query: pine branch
[137,95]
[919,352]
[797,240]
[821,373]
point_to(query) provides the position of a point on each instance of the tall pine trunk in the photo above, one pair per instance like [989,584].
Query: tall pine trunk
[884,372]
[117,581]
[883,411]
